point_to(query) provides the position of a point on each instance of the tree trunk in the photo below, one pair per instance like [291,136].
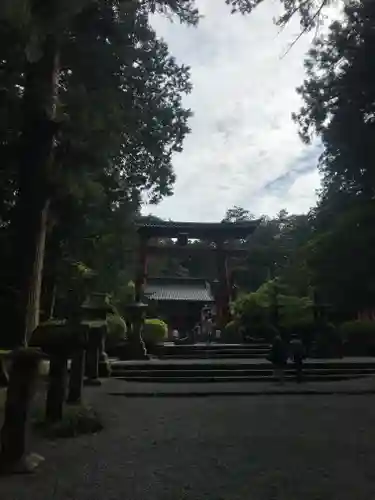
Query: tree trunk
[48,300]
[34,294]
[49,283]
[31,213]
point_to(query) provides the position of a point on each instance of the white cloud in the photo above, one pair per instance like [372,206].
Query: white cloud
[242,136]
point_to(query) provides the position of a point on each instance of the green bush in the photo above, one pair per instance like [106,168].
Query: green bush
[116,330]
[262,331]
[123,296]
[328,341]
[248,309]
[358,337]
[231,327]
[154,331]
[232,332]
[254,312]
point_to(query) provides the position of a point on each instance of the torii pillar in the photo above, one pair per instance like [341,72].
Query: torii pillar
[142,269]
[223,293]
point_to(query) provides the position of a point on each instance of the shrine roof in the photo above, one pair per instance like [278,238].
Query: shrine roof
[178,289]
[198,229]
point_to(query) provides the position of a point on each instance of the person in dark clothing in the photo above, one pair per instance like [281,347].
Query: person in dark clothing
[298,354]
[278,357]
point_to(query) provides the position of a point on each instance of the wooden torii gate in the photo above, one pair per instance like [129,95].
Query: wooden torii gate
[217,234]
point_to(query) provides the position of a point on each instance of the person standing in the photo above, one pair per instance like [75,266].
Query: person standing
[278,357]
[298,354]
[210,328]
[175,335]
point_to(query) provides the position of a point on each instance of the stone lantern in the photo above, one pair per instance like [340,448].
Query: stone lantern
[136,313]
[94,315]
[60,340]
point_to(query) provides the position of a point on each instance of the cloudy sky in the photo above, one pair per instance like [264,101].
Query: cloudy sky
[243,149]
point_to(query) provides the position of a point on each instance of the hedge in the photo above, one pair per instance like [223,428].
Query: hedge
[154,331]
[358,337]
[116,330]
[328,341]
[232,333]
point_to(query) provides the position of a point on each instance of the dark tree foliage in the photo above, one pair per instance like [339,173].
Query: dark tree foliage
[311,12]
[339,96]
[339,100]
[121,120]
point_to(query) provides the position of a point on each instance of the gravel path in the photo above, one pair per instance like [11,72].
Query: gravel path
[356,386]
[217,448]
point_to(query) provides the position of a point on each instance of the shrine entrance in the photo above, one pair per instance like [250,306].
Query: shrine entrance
[217,235]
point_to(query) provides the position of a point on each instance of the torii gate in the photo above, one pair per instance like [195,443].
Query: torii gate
[217,233]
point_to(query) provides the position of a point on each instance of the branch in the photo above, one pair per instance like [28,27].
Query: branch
[306,28]
[283,21]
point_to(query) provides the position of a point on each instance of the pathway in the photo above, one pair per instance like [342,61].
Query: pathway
[218,448]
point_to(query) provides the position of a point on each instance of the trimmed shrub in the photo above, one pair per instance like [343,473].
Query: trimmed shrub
[154,331]
[116,330]
[358,337]
[232,332]
[262,331]
[249,308]
[328,341]
[254,313]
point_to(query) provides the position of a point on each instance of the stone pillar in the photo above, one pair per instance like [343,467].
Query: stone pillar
[58,374]
[95,310]
[92,357]
[137,347]
[77,371]
[22,378]
[104,364]
[142,269]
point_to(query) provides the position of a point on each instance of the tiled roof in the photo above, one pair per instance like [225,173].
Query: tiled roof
[184,289]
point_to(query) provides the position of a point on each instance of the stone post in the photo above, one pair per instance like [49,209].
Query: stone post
[137,347]
[78,359]
[104,365]
[58,373]
[22,379]
[92,357]
[77,371]
[95,310]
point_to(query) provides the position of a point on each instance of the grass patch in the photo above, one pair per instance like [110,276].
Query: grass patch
[76,421]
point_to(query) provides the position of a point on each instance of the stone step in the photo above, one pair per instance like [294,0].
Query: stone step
[212,347]
[252,378]
[213,350]
[207,355]
[233,373]
[233,364]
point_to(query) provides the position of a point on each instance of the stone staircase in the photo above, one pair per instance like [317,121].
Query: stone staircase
[255,350]
[236,370]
